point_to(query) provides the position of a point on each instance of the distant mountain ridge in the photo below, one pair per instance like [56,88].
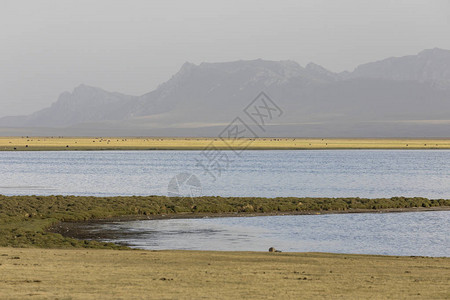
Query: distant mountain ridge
[431,65]
[404,96]
[84,104]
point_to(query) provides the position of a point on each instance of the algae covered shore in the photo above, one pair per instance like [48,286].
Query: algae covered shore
[25,220]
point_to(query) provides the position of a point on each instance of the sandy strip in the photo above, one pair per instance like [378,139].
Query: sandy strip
[132,274]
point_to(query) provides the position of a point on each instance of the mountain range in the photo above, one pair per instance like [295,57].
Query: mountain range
[396,97]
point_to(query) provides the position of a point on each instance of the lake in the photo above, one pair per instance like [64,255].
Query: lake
[317,173]
[408,233]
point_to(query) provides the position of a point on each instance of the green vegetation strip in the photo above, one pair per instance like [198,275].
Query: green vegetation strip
[24,220]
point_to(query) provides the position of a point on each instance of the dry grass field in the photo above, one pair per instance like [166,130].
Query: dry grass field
[128,274]
[170,143]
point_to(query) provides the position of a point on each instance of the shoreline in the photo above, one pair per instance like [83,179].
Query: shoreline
[32,143]
[29,220]
[81,230]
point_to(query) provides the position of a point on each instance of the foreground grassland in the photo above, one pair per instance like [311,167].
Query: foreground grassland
[115,143]
[24,220]
[108,274]
[72,272]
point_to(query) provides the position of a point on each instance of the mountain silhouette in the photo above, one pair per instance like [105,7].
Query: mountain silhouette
[397,97]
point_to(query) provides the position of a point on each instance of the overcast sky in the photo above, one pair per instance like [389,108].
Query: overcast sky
[48,47]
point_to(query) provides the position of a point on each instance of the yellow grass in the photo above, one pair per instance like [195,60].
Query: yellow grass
[169,143]
[112,274]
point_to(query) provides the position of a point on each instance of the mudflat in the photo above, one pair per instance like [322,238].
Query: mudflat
[127,274]
[171,143]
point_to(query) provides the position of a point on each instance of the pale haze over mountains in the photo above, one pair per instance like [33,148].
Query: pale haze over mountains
[397,97]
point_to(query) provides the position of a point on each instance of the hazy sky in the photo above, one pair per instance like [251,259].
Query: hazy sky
[47,47]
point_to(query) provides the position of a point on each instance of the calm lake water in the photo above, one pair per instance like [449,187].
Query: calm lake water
[322,173]
[319,173]
[417,233]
